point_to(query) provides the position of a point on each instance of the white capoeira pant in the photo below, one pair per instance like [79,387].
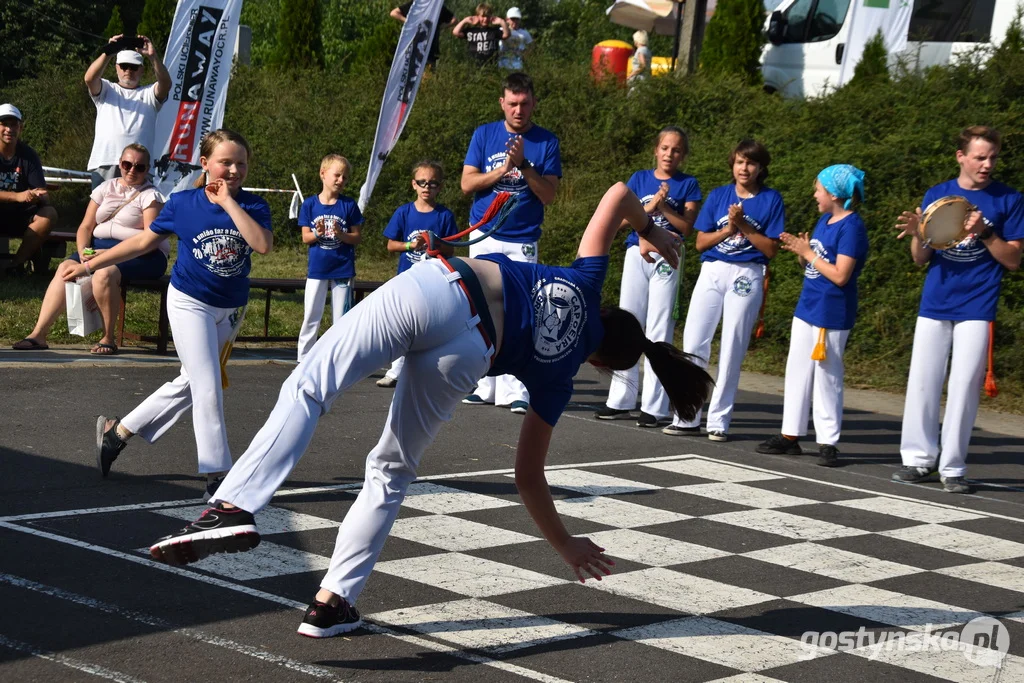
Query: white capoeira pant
[200,332]
[314,300]
[822,380]
[648,291]
[422,314]
[929,361]
[504,389]
[732,293]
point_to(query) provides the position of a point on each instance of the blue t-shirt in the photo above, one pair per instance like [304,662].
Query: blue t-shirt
[764,211]
[552,325]
[487,152]
[682,188]
[213,258]
[407,223]
[330,258]
[963,282]
[823,303]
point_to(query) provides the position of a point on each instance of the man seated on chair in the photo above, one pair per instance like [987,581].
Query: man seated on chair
[25,212]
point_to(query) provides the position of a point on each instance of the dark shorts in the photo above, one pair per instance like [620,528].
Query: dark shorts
[146,267]
[15,218]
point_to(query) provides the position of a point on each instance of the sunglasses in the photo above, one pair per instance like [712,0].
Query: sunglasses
[127,167]
[428,183]
[128,67]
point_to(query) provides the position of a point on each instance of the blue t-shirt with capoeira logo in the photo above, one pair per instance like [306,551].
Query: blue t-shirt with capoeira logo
[682,188]
[552,325]
[823,303]
[213,258]
[963,282]
[487,152]
[407,222]
[764,211]
[330,258]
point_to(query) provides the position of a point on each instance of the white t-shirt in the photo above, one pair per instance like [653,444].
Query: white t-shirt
[122,117]
[128,221]
[512,48]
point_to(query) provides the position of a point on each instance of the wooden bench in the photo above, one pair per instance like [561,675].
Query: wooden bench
[360,288]
[55,246]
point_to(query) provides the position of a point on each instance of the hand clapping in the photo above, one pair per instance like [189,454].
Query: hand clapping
[798,244]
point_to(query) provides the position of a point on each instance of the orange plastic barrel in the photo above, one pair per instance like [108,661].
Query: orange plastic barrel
[610,57]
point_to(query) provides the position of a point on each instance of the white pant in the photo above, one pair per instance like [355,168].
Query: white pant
[933,339]
[421,314]
[822,379]
[648,291]
[730,292]
[200,332]
[504,389]
[314,300]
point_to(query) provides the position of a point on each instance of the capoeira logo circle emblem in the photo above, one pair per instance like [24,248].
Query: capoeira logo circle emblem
[559,313]
[529,250]
[327,228]
[742,285]
[664,270]
[222,253]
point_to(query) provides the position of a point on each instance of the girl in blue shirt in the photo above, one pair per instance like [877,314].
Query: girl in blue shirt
[485,315]
[218,226]
[649,290]
[832,258]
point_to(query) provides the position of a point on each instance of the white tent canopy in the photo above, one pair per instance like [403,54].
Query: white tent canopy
[653,16]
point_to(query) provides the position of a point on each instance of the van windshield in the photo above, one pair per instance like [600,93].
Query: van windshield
[811,21]
[952,21]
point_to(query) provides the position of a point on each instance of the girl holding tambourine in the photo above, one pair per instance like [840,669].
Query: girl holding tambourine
[961,293]
[832,258]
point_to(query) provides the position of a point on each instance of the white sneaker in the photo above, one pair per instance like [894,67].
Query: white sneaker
[717,435]
[386,382]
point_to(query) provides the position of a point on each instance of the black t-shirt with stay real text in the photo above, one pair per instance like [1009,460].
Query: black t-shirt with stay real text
[483,41]
[443,19]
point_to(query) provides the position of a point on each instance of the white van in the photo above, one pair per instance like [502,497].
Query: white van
[807,38]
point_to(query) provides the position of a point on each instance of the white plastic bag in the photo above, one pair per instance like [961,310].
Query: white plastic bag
[83,311]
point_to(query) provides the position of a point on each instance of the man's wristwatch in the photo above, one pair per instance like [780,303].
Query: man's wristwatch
[985,234]
[525,165]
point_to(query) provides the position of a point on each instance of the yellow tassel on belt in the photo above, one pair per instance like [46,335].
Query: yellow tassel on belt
[819,349]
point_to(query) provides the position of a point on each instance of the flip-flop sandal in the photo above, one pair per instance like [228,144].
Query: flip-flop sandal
[28,344]
[102,349]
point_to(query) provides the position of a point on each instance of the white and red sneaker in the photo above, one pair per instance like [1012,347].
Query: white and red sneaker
[218,530]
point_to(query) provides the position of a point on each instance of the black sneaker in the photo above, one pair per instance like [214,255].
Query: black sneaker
[676,430]
[780,445]
[956,485]
[914,475]
[607,413]
[216,531]
[108,444]
[828,455]
[324,621]
[646,420]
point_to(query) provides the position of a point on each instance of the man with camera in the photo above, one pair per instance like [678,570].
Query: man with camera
[125,112]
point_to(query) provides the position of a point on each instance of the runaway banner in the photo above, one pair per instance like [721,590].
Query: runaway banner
[199,55]
[403,84]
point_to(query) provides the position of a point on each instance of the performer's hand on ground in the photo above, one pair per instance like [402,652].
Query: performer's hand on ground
[661,241]
[907,223]
[586,558]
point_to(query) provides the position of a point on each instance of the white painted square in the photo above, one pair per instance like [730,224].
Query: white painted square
[679,591]
[888,607]
[264,561]
[950,665]
[467,575]
[723,643]
[716,471]
[832,562]
[785,524]
[905,509]
[990,574]
[445,500]
[452,533]
[270,520]
[744,495]
[656,551]
[481,625]
[593,483]
[616,513]
[959,541]
[747,678]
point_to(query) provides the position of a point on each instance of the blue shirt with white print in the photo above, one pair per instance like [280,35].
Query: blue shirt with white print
[552,325]
[329,257]
[682,188]
[213,258]
[764,211]
[823,303]
[407,222]
[963,282]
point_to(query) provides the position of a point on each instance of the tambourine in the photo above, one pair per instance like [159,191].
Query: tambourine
[943,224]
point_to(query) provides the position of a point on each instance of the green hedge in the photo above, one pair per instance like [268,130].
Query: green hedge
[902,133]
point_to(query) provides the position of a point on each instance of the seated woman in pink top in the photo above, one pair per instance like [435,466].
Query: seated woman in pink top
[118,209]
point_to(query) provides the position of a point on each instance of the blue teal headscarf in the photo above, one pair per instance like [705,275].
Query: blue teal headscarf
[843,181]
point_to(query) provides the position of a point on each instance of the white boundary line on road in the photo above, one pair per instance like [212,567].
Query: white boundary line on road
[70,662]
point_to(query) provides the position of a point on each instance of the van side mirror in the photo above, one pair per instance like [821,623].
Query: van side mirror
[776,28]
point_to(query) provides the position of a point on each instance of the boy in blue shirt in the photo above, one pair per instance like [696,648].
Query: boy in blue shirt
[330,226]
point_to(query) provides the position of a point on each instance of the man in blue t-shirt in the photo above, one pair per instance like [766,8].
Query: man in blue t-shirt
[512,155]
[958,304]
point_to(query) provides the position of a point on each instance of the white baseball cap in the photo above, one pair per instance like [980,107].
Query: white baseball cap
[513,13]
[9,110]
[129,57]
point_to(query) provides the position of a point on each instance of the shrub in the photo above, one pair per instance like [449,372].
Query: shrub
[874,62]
[732,45]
